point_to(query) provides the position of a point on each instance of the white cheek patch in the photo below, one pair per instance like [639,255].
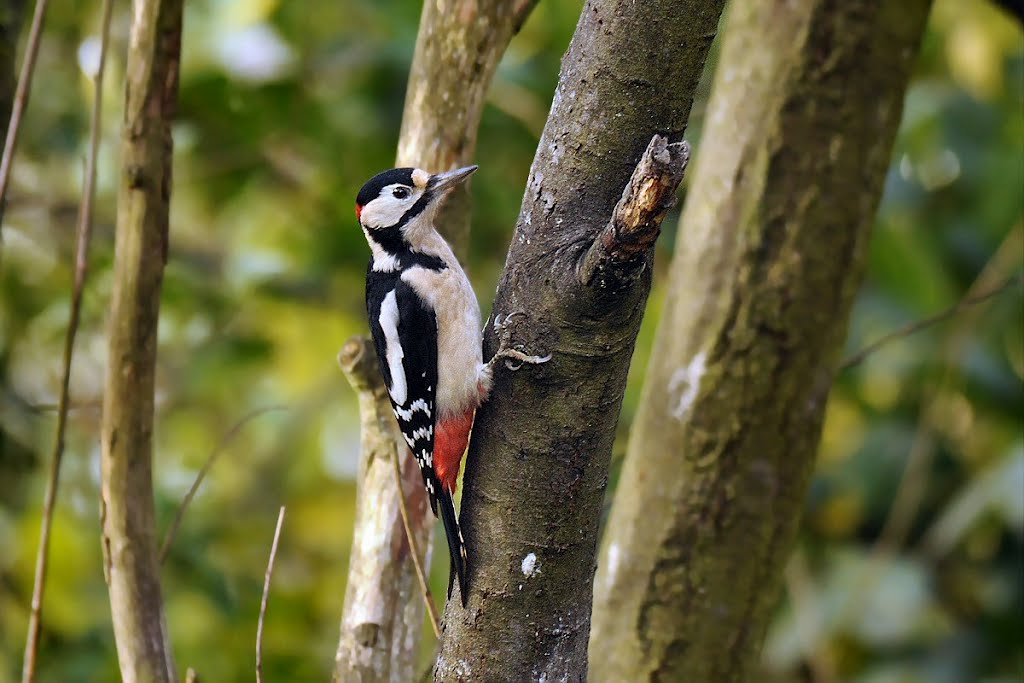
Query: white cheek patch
[389,324]
[382,212]
[386,209]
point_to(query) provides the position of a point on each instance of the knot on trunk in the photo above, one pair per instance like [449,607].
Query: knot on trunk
[621,249]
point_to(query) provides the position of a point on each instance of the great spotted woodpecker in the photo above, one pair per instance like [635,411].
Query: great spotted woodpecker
[425,323]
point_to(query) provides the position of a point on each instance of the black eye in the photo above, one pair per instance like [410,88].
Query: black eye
[400,192]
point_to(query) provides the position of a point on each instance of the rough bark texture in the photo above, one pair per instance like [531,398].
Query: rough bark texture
[540,450]
[805,106]
[129,542]
[383,617]
[459,46]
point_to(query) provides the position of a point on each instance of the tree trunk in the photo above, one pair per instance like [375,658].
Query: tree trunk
[129,532]
[539,455]
[805,107]
[457,52]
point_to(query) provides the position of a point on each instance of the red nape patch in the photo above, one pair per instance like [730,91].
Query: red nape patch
[450,440]
[359,211]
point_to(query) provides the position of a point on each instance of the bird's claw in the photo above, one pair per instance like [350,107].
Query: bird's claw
[510,355]
[514,358]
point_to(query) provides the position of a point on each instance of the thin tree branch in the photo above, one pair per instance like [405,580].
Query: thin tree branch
[28,67]
[913,482]
[458,48]
[428,599]
[225,440]
[141,245]
[81,270]
[266,594]
[918,325]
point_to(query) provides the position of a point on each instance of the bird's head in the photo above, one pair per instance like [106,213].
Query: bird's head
[392,199]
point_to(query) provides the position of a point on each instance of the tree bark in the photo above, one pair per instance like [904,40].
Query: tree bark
[383,617]
[458,48]
[129,534]
[539,455]
[806,103]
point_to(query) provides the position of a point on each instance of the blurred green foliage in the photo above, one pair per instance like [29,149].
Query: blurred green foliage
[285,109]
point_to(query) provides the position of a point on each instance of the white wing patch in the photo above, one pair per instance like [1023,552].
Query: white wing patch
[389,323]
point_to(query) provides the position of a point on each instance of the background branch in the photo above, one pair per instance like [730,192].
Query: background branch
[266,596]
[28,67]
[228,437]
[84,233]
[129,530]
[383,615]
[459,45]
[916,326]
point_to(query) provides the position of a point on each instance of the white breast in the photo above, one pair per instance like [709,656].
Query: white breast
[459,344]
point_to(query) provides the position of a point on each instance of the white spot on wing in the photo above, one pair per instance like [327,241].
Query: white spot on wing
[389,324]
[686,382]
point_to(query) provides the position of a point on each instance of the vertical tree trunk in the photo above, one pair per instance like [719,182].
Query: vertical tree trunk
[458,48]
[805,106]
[540,449]
[129,545]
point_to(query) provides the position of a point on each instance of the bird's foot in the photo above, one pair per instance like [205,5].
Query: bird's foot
[514,358]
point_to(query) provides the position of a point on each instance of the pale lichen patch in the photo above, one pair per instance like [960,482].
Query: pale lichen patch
[686,383]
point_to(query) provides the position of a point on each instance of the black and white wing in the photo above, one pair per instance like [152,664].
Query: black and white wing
[405,336]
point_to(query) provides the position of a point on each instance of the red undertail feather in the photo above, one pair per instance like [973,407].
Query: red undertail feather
[450,440]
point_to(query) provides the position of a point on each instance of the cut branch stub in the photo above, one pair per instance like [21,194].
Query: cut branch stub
[623,246]
[359,364]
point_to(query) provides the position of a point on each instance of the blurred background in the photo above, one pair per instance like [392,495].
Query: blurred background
[910,566]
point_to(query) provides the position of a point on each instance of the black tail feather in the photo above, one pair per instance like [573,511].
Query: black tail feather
[456,545]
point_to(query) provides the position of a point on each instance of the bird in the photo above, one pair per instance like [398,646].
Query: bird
[425,322]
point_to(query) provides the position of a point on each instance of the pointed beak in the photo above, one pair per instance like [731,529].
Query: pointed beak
[442,182]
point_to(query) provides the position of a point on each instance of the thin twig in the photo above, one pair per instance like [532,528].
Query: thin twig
[203,471]
[913,481]
[266,593]
[81,270]
[435,619]
[28,67]
[918,325]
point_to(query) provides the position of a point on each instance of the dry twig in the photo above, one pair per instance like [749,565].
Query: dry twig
[228,437]
[421,575]
[28,67]
[918,325]
[81,270]
[266,593]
